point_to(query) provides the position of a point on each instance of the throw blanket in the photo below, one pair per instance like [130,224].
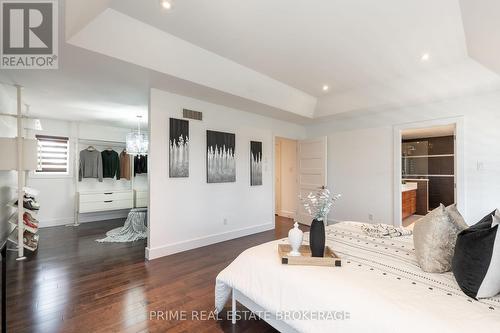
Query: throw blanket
[379,284]
[384,230]
[134,228]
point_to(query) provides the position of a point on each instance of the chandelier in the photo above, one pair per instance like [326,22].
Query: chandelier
[137,142]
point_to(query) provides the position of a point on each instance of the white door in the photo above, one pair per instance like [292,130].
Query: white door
[311,163]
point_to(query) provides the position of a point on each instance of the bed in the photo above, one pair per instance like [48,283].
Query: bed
[379,288]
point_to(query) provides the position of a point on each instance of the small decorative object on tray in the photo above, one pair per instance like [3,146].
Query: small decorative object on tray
[295,237]
[318,206]
[329,257]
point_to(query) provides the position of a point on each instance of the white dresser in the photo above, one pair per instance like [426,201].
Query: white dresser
[103,201]
[141,198]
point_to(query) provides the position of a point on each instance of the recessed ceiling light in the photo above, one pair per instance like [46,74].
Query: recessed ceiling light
[325,87]
[425,57]
[166,4]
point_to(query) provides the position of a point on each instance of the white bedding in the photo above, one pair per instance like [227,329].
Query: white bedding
[379,284]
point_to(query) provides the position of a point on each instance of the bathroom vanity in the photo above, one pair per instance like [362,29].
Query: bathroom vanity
[409,202]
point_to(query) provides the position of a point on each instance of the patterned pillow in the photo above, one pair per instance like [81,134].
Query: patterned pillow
[434,238]
[476,263]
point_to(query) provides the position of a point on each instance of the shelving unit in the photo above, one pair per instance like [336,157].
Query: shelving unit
[432,159]
[13,221]
[13,240]
[24,152]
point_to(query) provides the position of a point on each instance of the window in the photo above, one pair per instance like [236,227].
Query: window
[53,155]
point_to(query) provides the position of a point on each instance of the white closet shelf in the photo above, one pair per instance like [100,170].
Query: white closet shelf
[13,240]
[13,221]
[429,156]
[27,190]
[13,205]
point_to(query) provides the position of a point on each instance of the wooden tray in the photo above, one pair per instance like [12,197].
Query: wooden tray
[305,259]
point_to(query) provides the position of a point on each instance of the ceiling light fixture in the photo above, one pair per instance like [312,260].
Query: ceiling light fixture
[425,57]
[166,4]
[325,88]
[137,142]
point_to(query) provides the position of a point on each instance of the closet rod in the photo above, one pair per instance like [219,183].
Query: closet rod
[102,142]
[16,116]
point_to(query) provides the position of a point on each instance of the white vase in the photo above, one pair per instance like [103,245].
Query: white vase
[295,237]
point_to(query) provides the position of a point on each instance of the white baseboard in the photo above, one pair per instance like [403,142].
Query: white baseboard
[85,218]
[100,216]
[46,223]
[285,213]
[168,249]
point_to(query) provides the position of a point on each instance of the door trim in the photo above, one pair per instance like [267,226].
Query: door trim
[459,162]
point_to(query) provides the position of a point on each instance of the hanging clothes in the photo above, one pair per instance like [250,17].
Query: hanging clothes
[90,164]
[125,171]
[140,164]
[110,164]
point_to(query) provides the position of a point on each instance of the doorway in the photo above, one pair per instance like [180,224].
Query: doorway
[428,168]
[285,177]
[300,167]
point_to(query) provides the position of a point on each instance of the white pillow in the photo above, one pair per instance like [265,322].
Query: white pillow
[491,282]
[496,218]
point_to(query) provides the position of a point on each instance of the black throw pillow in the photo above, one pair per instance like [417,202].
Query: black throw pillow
[476,261]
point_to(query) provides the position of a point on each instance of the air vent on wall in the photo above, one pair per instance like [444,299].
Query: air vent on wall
[196,115]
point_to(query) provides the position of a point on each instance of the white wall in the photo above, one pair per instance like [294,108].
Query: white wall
[8,180]
[360,156]
[58,192]
[187,212]
[356,171]
[288,206]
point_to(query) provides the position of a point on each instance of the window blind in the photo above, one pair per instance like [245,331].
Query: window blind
[53,154]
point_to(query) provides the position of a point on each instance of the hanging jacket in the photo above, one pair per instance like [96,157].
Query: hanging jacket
[140,164]
[125,171]
[110,164]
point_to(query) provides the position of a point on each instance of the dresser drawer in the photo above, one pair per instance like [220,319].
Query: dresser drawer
[141,194]
[105,196]
[141,203]
[141,199]
[98,206]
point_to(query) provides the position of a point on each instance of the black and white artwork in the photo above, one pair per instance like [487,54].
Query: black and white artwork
[221,164]
[179,148]
[255,163]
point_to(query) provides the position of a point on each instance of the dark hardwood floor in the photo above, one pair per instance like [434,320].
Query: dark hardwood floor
[74,284]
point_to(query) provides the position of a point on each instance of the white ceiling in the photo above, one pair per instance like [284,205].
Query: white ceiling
[342,43]
[482,30]
[87,87]
[368,52]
